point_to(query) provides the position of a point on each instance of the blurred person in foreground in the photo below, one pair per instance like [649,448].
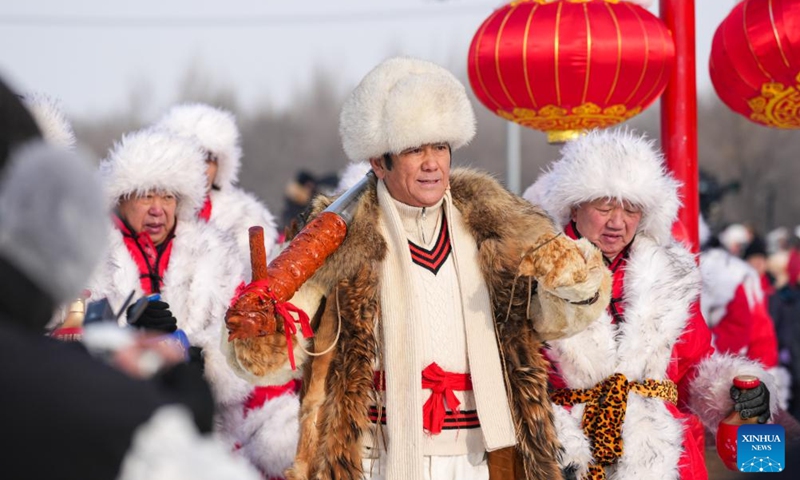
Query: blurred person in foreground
[428,327]
[226,206]
[627,388]
[64,414]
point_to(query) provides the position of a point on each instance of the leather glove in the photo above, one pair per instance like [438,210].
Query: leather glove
[569,472]
[156,316]
[752,402]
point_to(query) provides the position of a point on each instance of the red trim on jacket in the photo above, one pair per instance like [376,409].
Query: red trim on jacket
[151,260]
[260,395]
[205,212]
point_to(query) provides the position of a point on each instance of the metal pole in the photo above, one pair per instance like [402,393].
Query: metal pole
[679,112]
[513,157]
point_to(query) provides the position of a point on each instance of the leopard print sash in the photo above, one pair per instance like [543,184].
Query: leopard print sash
[606,404]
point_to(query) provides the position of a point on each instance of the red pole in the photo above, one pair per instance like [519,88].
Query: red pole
[679,112]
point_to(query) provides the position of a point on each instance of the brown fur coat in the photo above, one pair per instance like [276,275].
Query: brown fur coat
[338,385]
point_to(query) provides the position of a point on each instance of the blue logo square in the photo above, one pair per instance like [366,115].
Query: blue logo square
[761,448]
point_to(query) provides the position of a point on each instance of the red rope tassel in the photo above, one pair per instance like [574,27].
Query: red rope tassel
[284,309]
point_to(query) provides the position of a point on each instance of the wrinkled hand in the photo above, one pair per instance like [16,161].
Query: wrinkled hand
[156,316]
[752,402]
[569,269]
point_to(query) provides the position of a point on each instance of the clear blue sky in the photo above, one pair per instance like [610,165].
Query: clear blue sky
[91,54]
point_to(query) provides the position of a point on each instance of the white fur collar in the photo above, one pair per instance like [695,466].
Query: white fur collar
[641,346]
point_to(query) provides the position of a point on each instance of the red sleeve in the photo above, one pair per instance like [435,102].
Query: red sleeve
[693,346]
[733,332]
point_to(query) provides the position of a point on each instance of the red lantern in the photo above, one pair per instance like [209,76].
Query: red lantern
[755,61]
[565,66]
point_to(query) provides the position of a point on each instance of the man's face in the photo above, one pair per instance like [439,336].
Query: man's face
[419,176]
[153,213]
[608,224]
[211,170]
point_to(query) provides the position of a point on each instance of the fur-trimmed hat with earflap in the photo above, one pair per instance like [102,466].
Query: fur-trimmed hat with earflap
[156,160]
[50,119]
[402,103]
[216,131]
[616,164]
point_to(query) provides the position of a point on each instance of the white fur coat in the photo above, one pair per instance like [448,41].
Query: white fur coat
[203,273]
[661,283]
[234,211]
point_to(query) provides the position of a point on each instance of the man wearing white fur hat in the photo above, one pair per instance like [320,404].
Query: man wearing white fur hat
[155,184]
[427,355]
[226,206]
[627,388]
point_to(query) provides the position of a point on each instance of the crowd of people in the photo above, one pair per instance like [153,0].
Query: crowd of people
[459,331]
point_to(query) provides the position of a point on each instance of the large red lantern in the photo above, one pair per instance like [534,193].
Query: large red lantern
[565,66]
[755,61]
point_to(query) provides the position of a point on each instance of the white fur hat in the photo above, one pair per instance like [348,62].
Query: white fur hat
[50,119]
[616,164]
[53,221]
[156,160]
[735,236]
[405,102]
[215,129]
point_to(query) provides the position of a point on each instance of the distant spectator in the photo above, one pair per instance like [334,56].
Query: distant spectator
[778,255]
[784,307]
[735,308]
[735,238]
[756,255]
[226,207]
[297,197]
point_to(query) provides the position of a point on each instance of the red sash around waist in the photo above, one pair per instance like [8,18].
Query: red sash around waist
[435,415]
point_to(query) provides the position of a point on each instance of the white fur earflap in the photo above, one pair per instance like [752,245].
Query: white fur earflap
[156,160]
[405,102]
[216,131]
[53,221]
[709,392]
[616,164]
[50,119]
[351,175]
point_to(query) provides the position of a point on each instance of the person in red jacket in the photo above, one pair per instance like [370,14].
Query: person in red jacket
[735,308]
[629,388]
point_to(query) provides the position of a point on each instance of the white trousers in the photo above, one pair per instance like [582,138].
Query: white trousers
[472,466]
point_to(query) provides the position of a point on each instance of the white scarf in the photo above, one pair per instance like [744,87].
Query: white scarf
[402,330]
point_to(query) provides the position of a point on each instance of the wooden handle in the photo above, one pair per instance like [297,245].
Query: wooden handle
[258,254]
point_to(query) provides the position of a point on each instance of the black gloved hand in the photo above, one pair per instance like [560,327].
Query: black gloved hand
[752,402]
[570,472]
[156,316]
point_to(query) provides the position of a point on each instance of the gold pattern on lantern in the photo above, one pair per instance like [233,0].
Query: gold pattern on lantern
[778,105]
[583,117]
